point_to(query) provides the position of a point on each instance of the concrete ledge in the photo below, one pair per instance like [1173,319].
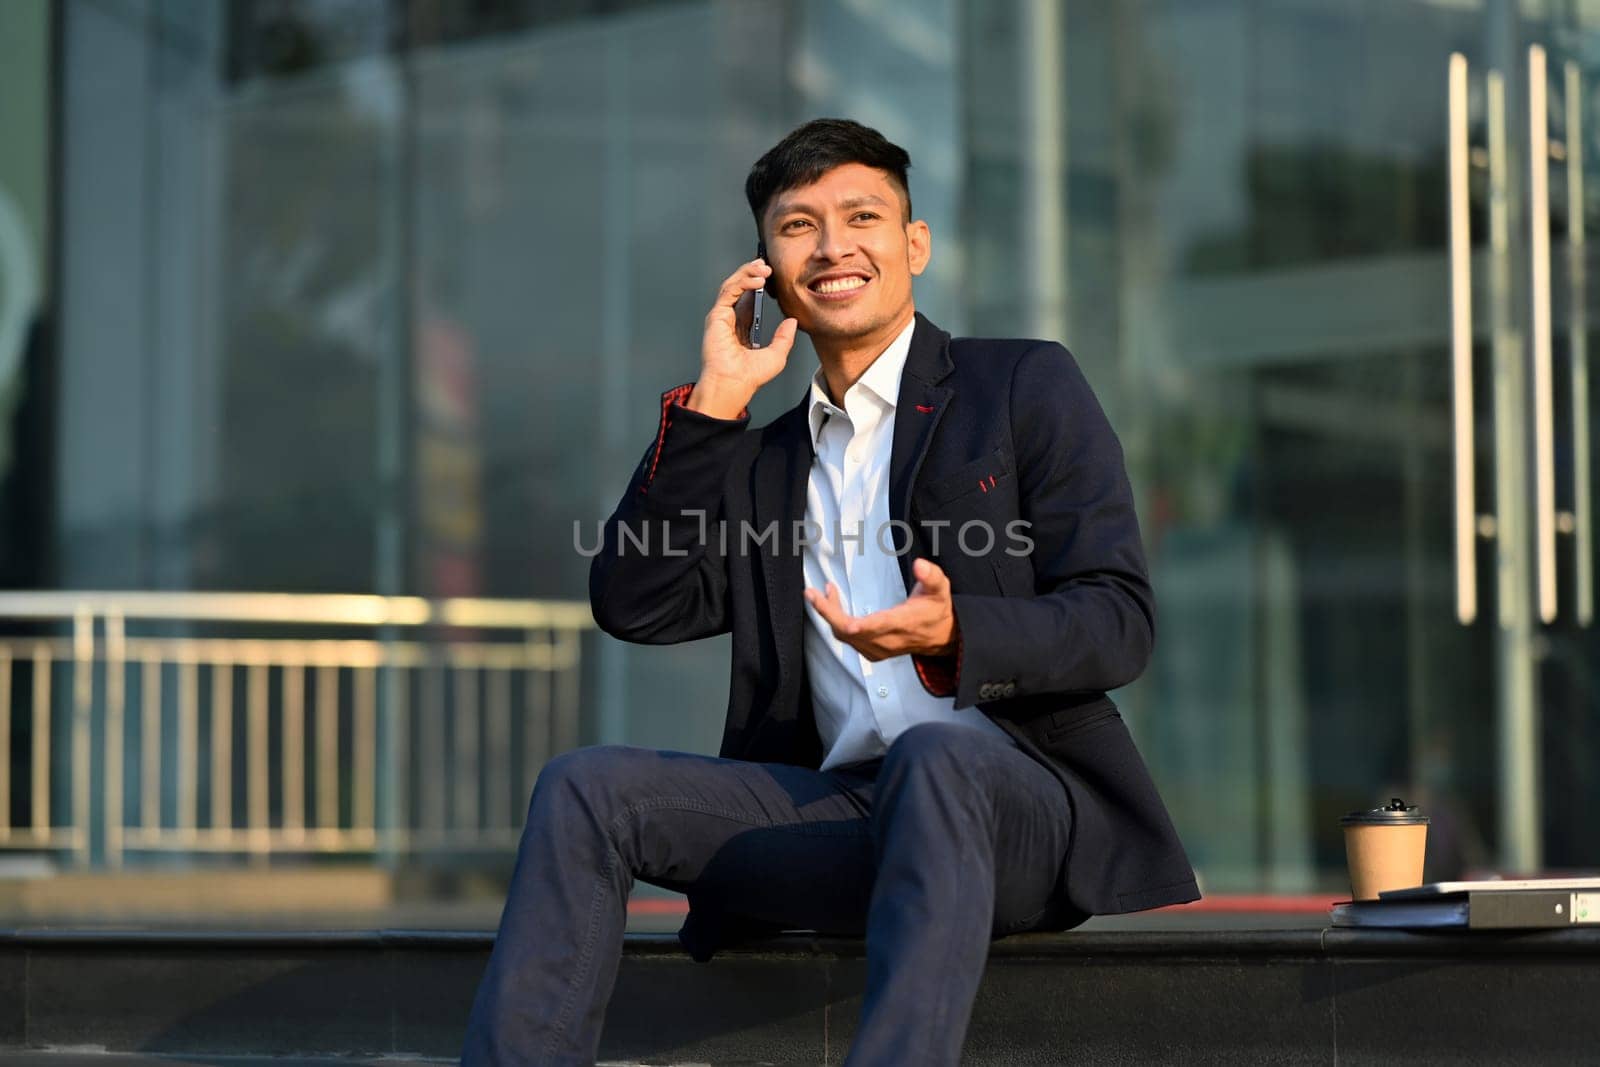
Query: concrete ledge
[1280,996]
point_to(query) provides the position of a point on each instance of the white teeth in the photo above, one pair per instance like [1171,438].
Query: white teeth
[841,285]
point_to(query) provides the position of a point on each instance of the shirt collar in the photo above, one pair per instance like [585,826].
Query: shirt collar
[881,379]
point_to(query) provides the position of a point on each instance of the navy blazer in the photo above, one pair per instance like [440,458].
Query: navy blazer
[703,542]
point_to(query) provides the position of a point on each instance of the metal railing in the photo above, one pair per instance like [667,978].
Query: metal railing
[262,724]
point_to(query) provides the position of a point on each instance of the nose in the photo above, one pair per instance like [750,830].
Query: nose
[834,243]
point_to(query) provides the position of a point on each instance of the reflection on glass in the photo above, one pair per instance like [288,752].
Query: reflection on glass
[381,298]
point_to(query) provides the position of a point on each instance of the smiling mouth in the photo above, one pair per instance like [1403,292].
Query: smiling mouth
[839,288]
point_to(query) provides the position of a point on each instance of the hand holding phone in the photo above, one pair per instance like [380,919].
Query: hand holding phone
[733,363]
[755,316]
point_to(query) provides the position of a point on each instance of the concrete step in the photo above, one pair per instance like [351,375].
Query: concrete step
[1113,997]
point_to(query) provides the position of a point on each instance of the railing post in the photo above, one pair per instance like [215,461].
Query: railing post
[5,745]
[364,741]
[256,810]
[222,746]
[188,742]
[327,745]
[294,751]
[82,708]
[39,780]
[397,722]
[150,741]
[116,704]
[464,720]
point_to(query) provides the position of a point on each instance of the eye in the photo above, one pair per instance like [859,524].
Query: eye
[865,215]
[793,222]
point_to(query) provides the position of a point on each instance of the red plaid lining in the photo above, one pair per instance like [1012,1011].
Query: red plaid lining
[677,395]
[940,675]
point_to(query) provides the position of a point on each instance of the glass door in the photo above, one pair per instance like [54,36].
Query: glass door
[1560,744]
[1336,312]
[1321,490]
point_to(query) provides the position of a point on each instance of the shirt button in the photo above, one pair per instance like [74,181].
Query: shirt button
[883,690]
[855,455]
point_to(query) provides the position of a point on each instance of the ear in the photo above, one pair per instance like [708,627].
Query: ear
[919,245]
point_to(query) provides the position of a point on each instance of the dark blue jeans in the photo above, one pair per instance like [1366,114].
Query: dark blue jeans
[952,839]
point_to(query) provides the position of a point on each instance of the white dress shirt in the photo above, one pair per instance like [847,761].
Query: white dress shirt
[861,706]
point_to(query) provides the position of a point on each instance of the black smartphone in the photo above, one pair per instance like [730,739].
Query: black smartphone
[755,317]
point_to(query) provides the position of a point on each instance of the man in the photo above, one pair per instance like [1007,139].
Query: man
[918,743]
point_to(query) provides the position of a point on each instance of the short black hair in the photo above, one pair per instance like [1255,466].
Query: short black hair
[812,150]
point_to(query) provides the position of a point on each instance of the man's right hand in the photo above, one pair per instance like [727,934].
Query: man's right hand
[730,371]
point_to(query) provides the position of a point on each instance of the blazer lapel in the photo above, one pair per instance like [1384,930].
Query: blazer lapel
[782,471]
[918,409]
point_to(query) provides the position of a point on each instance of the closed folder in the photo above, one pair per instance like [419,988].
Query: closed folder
[1512,909]
[1484,905]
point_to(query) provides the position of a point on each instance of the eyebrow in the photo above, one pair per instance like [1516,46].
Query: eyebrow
[788,206]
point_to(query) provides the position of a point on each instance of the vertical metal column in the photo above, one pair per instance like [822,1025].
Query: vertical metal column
[616,314]
[1044,169]
[396,388]
[1578,522]
[1515,645]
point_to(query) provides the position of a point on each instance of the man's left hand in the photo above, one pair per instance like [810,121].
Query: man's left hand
[923,624]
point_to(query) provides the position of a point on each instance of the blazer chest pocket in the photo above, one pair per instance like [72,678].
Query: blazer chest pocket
[984,474]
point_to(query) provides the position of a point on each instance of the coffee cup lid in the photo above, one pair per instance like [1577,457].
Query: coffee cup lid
[1396,813]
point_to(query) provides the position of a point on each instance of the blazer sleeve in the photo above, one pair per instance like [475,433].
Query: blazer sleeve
[1091,626]
[660,575]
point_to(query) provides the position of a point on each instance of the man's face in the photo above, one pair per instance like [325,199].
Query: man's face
[842,258]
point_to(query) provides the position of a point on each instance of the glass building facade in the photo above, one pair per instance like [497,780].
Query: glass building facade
[379,296]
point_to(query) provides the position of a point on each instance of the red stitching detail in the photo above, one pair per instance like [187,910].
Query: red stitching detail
[991,479]
[924,408]
[985,488]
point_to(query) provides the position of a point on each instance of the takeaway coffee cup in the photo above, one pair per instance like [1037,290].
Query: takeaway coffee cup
[1384,848]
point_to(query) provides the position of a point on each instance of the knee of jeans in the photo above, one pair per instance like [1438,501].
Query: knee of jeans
[929,744]
[588,775]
